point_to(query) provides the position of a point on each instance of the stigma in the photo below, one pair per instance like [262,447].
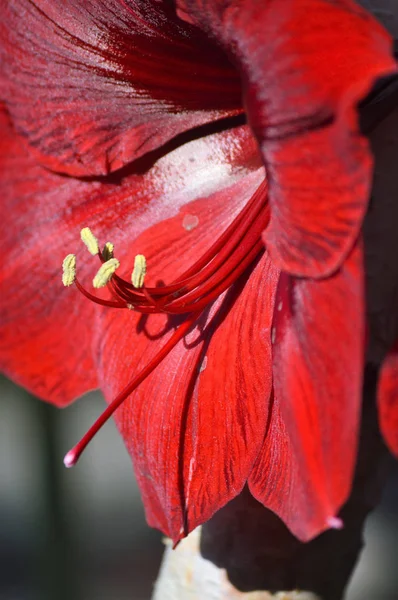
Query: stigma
[187,295]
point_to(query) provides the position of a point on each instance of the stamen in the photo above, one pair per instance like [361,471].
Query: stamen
[69,270]
[138,275]
[107,252]
[90,240]
[189,294]
[105,272]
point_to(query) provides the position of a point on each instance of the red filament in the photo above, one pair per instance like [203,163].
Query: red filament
[218,268]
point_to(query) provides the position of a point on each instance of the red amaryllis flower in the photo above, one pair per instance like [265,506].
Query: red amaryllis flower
[127,117]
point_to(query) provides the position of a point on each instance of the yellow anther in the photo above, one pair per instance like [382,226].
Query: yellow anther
[138,274]
[107,252]
[105,272]
[69,270]
[90,240]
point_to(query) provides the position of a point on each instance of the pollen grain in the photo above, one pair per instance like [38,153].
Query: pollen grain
[89,240]
[139,272]
[69,270]
[105,272]
[107,252]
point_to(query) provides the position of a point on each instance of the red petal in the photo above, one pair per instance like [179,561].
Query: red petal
[304,473]
[93,85]
[44,333]
[305,65]
[45,329]
[388,400]
[195,426]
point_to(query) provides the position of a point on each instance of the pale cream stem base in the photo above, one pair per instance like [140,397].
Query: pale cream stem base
[185,575]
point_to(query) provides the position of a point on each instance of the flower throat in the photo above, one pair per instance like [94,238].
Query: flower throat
[219,267]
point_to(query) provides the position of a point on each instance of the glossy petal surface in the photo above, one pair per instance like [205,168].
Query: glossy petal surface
[46,330]
[45,336]
[194,427]
[304,472]
[388,400]
[305,65]
[92,85]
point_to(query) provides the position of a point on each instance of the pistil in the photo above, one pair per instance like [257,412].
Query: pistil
[189,294]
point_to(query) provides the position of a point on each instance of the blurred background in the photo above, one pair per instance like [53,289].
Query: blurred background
[80,534]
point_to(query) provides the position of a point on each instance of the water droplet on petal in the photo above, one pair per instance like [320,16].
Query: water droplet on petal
[189,222]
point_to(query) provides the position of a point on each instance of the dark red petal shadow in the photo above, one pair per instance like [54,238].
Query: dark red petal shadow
[93,85]
[45,329]
[388,400]
[194,427]
[305,65]
[304,472]
[381,243]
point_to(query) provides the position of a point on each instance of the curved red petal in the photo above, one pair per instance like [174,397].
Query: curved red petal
[45,336]
[387,396]
[305,66]
[194,427]
[304,472]
[93,85]
[46,330]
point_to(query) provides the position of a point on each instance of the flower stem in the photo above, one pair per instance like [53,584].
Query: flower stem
[186,574]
